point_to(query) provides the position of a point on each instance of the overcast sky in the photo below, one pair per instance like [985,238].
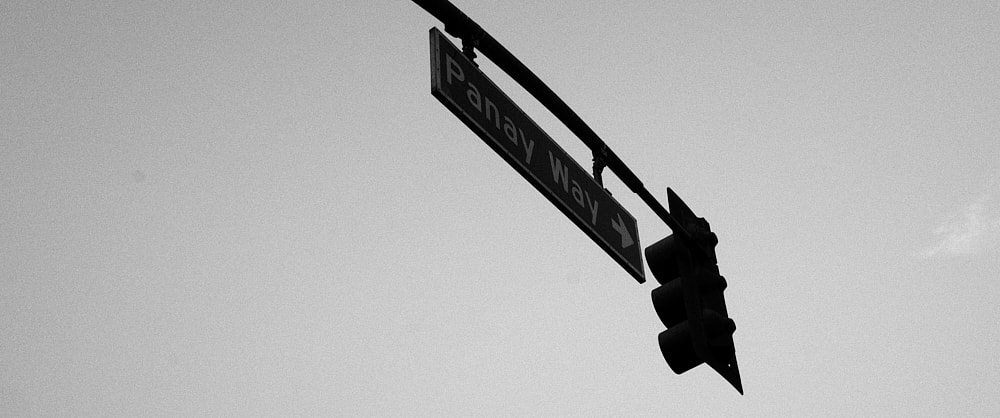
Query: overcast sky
[258,209]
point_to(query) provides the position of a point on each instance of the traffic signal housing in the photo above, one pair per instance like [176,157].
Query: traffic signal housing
[690,300]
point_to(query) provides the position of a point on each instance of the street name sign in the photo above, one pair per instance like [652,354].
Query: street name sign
[459,85]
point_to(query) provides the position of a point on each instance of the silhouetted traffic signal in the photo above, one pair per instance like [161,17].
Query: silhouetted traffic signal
[690,301]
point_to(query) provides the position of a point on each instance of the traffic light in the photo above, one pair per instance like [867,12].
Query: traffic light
[690,300]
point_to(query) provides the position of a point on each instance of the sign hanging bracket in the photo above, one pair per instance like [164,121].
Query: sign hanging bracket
[470,40]
[600,161]
[469,44]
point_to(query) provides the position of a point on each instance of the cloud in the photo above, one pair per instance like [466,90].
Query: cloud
[973,230]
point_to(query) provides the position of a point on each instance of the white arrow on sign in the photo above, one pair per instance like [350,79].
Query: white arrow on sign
[620,227]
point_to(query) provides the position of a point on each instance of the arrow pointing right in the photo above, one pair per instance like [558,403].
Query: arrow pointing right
[620,227]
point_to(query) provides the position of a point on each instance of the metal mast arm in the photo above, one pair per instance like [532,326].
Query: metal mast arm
[459,25]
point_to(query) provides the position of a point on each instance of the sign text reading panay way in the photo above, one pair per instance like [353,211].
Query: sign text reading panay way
[485,109]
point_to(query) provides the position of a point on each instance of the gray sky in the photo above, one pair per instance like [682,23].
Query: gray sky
[254,209]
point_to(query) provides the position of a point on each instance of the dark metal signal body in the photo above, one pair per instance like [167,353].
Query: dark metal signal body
[690,301]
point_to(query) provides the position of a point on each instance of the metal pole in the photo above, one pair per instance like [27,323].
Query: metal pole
[459,25]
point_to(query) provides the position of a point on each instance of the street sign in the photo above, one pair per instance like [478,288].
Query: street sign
[458,84]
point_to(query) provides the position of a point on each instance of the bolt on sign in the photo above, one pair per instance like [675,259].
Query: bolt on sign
[458,84]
